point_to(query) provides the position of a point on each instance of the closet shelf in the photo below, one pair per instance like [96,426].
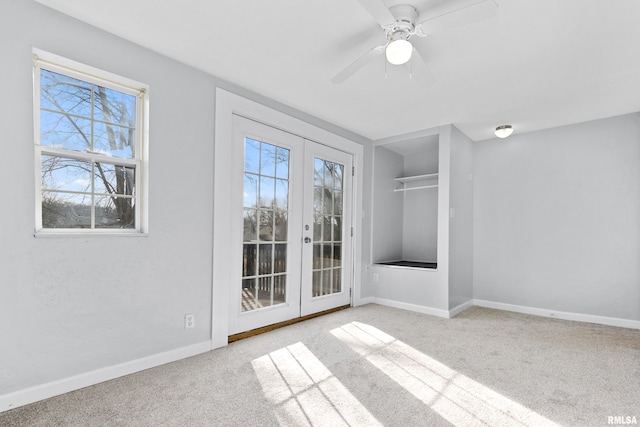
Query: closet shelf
[430,180]
[407,179]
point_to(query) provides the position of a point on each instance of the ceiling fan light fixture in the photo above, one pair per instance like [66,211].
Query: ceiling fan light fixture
[399,51]
[504,131]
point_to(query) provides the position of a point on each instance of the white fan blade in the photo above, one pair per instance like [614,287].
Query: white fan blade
[419,70]
[456,13]
[379,11]
[357,64]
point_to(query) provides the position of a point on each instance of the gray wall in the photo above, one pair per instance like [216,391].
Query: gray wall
[557,219]
[461,225]
[70,305]
[388,213]
[366,168]
[420,216]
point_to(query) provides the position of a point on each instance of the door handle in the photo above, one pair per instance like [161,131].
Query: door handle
[307,240]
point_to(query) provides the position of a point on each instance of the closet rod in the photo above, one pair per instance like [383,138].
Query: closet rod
[415,188]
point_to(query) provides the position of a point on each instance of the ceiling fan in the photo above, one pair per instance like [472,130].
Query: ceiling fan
[402,22]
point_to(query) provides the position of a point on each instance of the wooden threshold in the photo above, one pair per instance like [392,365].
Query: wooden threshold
[258,331]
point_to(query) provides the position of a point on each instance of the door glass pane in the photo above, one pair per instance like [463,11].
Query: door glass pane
[266,225]
[281,225]
[266,204]
[250,225]
[327,227]
[267,159]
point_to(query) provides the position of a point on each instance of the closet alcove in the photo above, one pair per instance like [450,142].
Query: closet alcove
[422,221]
[406,203]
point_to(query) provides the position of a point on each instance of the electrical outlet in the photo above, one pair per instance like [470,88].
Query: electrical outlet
[376,277]
[189,321]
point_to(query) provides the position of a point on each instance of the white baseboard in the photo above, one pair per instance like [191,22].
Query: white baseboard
[460,308]
[363,301]
[54,388]
[411,307]
[44,391]
[578,317]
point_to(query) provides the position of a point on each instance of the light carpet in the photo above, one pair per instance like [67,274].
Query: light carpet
[376,365]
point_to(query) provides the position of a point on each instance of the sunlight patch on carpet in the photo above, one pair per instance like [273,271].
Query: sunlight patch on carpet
[305,392]
[455,397]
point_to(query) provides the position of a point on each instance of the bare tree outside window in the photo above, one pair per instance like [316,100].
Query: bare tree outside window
[88,154]
[266,211]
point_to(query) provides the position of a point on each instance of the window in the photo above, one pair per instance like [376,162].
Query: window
[266,213]
[90,149]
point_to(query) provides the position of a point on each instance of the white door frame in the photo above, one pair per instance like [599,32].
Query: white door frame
[228,104]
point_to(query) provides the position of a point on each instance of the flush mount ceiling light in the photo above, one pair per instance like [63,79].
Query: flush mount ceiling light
[399,51]
[504,131]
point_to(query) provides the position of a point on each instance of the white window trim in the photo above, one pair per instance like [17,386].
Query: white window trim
[109,80]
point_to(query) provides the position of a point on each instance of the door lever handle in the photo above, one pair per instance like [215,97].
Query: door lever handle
[307,240]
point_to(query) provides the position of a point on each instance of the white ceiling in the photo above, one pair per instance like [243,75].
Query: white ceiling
[536,64]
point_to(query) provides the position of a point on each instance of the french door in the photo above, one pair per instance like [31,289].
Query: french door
[293,229]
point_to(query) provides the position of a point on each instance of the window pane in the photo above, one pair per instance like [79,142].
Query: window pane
[62,93]
[268,160]
[63,131]
[338,173]
[326,282]
[113,179]
[266,225]
[267,192]
[279,289]
[317,230]
[327,228]
[281,226]
[263,293]
[63,210]
[114,212]
[337,229]
[114,107]
[327,201]
[327,258]
[250,225]
[59,173]
[280,258]
[318,172]
[249,301]
[317,283]
[337,202]
[317,201]
[282,163]
[251,156]
[337,255]
[249,260]
[337,280]
[328,174]
[317,256]
[250,190]
[266,264]
[282,193]
[112,140]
